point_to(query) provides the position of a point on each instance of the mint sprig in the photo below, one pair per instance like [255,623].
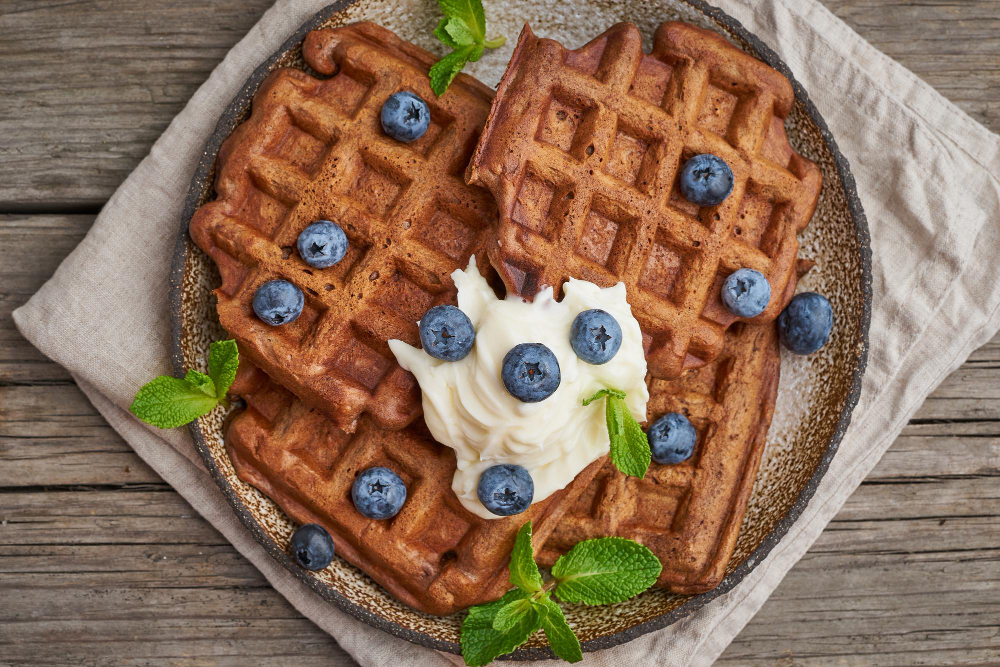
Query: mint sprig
[167,402]
[605,571]
[463,28]
[601,571]
[629,445]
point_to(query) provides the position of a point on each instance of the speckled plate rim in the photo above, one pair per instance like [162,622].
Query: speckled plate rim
[227,123]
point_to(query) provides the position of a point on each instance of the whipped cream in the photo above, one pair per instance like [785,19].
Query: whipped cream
[467,408]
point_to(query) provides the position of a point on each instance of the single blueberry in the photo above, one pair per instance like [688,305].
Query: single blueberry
[378,493]
[405,117]
[706,180]
[746,292]
[312,546]
[505,489]
[530,372]
[672,438]
[278,302]
[322,244]
[805,323]
[595,336]
[446,333]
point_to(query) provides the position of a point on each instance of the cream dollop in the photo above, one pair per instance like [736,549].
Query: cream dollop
[467,408]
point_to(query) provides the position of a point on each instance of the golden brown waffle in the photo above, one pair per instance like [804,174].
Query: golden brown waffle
[314,149]
[435,555]
[582,151]
[689,514]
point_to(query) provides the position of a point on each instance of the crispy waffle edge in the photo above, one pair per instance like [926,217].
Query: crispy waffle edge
[549,124]
[453,559]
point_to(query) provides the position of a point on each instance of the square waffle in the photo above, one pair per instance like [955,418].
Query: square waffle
[582,151]
[689,514]
[312,149]
[435,555]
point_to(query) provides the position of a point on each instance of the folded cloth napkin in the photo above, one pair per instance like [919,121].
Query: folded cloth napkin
[927,174]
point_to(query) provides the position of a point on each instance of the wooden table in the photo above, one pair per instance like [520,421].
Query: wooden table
[101,561]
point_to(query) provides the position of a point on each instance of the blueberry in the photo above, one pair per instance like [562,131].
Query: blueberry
[505,489]
[746,292]
[805,323]
[595,336]
[446,333]
[322,244]
[378,493]
[706,180]
[671,438]
[278,302]
[405,117]
[530,372]
[312,546]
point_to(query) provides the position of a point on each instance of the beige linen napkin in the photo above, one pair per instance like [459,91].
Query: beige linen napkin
[927,174]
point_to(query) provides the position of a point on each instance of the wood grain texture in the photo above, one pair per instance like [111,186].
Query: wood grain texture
[100,561]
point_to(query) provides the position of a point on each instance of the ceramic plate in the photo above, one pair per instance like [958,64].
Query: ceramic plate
[816,394]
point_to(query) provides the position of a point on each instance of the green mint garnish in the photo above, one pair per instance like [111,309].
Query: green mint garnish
[629,445]
[562,639]
[611,569]
[605,571]
[167,402]
[523,571]
[463,28]
[481,643]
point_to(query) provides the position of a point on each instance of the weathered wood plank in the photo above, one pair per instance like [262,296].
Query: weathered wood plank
[88,86]
[107,563]
[31,248]
[74,127]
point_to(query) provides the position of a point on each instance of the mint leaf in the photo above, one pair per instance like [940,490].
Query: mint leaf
[469,12]
[629,445]
[459,33]
[635,455]
[167,402]
[223,360]
[463,28]
[201,382]
[481,643]
[601,393]
[561,637]
[444,70]
[604,571]
[523,571]
[510,614]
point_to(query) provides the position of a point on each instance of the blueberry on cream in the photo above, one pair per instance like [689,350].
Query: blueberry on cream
[478,409]
[505,489]
[595,336]
[446,333]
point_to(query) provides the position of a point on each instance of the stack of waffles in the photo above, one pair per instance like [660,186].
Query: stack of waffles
[570,171]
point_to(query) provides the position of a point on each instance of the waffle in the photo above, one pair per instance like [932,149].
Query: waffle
[582,151]
[312,149]
[434,556]
[689,514]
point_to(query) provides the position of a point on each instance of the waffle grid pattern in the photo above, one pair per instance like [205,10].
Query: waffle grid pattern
[689,514]
[313,149]
[582,152]
[434,555]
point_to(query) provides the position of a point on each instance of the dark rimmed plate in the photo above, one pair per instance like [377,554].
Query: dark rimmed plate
[817,393]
